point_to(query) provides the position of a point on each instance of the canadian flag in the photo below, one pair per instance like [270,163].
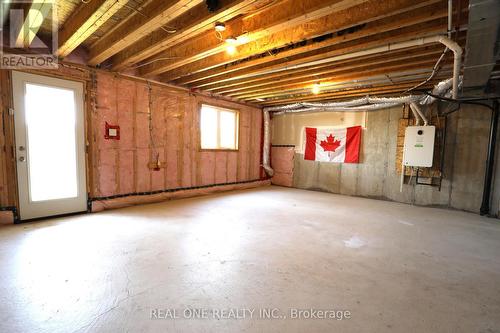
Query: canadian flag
[340,145]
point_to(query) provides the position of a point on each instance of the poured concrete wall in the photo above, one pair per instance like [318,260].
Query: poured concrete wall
[375,176]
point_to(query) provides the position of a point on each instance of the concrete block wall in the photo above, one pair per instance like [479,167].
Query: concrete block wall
[376,177]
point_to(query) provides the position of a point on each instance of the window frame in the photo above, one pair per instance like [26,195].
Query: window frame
[237,127]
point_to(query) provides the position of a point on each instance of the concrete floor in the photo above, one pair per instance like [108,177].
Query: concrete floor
[395,267]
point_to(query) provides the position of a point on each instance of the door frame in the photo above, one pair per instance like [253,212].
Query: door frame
[18,78]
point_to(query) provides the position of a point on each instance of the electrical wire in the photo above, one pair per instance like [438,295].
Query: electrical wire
[218,34]
[473,101]
[435,70]
[153,61]
[169,30]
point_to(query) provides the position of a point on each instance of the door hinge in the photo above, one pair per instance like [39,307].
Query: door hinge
[11,111]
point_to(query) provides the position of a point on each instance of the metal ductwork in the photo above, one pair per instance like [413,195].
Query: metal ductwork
[483,45]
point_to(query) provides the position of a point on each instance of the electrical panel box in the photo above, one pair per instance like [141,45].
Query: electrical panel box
[419,146]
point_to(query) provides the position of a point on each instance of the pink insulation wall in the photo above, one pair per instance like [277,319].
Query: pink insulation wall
[282,163]
[122,166]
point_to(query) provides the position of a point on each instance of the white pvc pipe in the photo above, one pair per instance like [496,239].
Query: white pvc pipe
[415,114]
[457,61]
[416,108]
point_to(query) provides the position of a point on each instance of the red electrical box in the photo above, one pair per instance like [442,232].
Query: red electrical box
[112,132]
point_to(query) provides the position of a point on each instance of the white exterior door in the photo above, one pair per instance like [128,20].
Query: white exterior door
[50,145]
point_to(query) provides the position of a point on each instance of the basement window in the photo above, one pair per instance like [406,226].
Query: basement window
[219,128]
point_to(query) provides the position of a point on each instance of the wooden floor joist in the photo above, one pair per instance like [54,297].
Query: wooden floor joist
[346,49]
[154,15]
[319,75]
[280,89]
[206,79]
[379,91]
[282,17]
[366,12]
[89,17]
[348,65]
[340,90]
[192,23]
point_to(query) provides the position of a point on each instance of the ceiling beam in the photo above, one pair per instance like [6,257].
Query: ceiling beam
[220,76]
[154,15]
[370,89]
[344,50]
[283,16]
[370,83]
[352,47]
[326,78]
[234,78]
[192,23]
[87,18]
[364,13]
[378,90]
[341,66]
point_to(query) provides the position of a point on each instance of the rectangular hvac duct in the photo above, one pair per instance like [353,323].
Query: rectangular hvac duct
[483,44]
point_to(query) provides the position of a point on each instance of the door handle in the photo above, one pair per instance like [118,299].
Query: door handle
[22,159]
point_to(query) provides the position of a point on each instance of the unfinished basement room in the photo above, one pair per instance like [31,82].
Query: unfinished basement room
[249,166]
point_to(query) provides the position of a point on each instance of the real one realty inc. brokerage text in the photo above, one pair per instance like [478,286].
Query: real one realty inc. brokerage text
[249,313]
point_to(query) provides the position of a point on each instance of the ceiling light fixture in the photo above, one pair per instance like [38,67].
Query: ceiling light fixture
[231,40]
[231,49]
[244,38]
[219,26]
[316,89]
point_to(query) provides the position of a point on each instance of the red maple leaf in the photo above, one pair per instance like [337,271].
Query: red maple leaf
[330,144]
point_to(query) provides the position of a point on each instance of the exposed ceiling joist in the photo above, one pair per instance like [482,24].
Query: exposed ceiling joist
[86,20]
[283,16]
[378,28]
[345,95]
[345,50]
[154,15]
[191,23]
[364,13]
[280,89]
[347,65]
[392,78]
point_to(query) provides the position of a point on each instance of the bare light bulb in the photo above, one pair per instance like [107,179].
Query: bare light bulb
[231,49]
[316,89]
